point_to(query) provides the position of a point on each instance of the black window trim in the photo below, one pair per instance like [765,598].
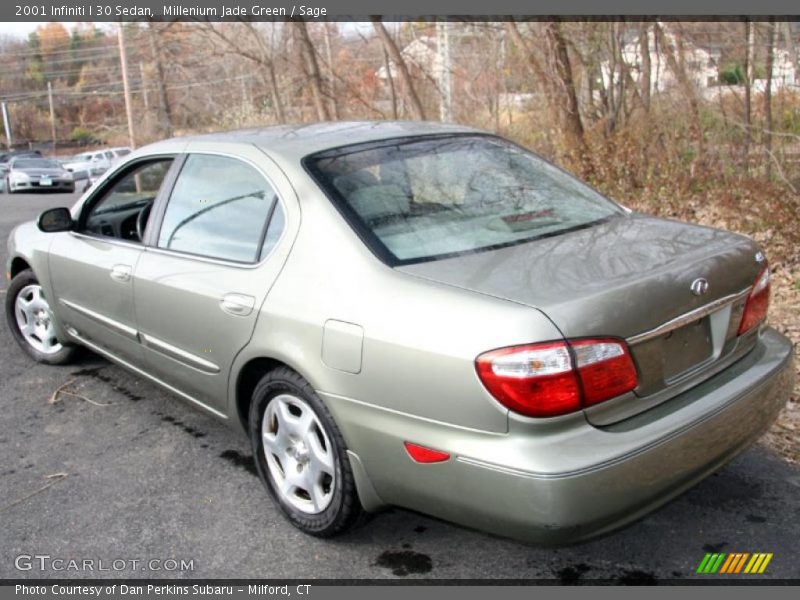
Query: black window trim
[154,227]
[373,242]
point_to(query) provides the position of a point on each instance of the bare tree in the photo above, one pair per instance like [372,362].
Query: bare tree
[768,91]
[554,73]
[402,68]
[164,108]
[645,74]
[334,98]
[673,57]
[748,88]
[390,82]
[312,69]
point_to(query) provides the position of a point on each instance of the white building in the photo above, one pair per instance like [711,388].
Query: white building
[701,64]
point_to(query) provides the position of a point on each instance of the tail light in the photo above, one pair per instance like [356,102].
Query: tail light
[755,310]
[423,454]
[555,378]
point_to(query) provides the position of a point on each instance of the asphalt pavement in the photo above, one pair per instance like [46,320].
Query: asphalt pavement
[141,476]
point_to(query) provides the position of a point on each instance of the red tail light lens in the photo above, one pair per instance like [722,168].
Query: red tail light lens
[421,454]
[556,378]
[755,310]
[605,369]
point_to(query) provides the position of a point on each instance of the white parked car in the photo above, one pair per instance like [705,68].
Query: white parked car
[89,164]
[119,152]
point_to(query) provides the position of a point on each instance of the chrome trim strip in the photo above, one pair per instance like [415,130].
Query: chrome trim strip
[107,240]
[116,326]
[180,355]
[687,318]
[205,259]
[102,351]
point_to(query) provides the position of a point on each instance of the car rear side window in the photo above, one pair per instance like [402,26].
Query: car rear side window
[220,208]
[418,199]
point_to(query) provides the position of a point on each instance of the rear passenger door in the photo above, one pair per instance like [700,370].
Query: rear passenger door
[215,247]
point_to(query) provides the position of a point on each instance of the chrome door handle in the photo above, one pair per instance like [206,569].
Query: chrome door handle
[237,304]
[121,273]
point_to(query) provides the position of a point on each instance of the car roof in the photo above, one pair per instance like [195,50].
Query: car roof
[296,141]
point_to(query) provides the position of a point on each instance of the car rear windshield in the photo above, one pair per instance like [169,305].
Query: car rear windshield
[421,199]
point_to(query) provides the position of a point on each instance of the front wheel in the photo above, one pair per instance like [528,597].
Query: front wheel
[31,321]
[301,456]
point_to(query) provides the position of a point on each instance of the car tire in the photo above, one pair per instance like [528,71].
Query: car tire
[24,297]
[305,468]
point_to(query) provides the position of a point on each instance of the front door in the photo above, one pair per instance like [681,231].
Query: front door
[91,269]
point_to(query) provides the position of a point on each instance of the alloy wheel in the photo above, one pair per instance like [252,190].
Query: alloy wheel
[35,320]
[299,454]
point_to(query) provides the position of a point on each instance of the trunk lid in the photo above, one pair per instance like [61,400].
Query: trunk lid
[629,277]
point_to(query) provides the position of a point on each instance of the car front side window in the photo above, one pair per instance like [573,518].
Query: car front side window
[220,208]
[124,206]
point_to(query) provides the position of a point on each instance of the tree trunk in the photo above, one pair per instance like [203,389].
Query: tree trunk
[402,68]
[644,76]
[768,94]
[557,83]
[164,109]
[312,66]
[390,81]
[567,98]
[331,76]
[668,49]
[748,82]
[267,61]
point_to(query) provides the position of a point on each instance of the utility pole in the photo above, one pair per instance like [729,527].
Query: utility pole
[445,76]
[6,124]
[125,85]
[52,114]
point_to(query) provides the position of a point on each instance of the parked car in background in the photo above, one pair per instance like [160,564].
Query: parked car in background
[454,326]
[5,157]
[88,164]
[119,152]
[40,174]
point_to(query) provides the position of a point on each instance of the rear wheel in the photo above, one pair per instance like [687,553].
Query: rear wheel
[31,321]
[301,456]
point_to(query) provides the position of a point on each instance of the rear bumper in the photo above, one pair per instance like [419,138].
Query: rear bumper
[566,480]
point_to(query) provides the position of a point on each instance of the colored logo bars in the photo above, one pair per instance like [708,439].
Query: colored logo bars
[735,562]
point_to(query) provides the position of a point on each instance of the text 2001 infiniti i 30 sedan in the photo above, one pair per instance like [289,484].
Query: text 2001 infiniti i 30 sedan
[417,315]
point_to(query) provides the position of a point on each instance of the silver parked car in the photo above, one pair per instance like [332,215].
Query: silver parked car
[37,174]
[89,165]
[418,315]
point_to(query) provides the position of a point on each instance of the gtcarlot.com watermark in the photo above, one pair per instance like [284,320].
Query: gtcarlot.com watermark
[47,563]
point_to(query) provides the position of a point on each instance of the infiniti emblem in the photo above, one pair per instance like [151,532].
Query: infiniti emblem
[699,287]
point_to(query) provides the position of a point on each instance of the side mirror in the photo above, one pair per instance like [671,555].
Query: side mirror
[54,220]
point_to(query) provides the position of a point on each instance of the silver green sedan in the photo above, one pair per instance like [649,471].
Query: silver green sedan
[418,315]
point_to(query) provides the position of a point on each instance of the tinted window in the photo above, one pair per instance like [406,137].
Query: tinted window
[425,198]
[116,212]
[219,208]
